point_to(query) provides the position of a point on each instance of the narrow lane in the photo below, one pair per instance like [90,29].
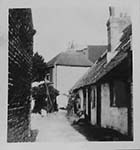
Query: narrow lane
[55,128]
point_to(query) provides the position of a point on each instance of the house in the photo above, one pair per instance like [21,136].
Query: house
[64,69]
[20,52]
[106,88]
[93,52]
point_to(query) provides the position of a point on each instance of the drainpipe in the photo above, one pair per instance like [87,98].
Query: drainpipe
[130,106]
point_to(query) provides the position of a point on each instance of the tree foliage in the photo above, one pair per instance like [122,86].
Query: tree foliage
[39,68]
[42,100]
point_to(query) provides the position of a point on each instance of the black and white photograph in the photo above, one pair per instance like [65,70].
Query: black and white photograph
[70,72]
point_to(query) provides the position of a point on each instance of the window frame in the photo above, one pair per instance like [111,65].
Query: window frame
[112,95]
[115,101]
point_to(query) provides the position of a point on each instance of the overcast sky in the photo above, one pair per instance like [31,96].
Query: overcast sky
[58,22]
[57,26]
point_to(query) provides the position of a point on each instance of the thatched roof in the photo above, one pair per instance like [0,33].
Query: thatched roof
[101,67]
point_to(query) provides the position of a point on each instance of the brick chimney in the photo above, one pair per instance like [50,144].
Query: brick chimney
[115,25]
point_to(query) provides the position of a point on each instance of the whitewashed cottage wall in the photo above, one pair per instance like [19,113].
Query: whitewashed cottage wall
[113,117]
[93,109]
[86,101]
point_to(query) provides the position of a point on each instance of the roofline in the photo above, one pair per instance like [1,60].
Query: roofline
[95,82]
[98,45]
[73,65]
[102,55]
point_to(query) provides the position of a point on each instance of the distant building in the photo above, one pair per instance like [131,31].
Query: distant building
[64,69]
[93,52]
[105,90]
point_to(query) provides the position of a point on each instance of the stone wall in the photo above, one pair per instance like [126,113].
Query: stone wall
[19,78]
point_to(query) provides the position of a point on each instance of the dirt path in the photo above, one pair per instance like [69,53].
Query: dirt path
[55,128]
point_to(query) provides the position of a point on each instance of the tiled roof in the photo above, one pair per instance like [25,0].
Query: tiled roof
[70,58]
[51,63]
[95,51]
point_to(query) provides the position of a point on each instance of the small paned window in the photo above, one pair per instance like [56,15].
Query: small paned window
[48,76]
[84,95]
[118,94]
[112,95]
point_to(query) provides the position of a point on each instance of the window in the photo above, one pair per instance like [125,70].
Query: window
[51,75]
[48,76]
[84,101]
[112,95]
[118,94]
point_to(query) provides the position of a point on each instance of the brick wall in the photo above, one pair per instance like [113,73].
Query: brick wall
[19,79]
[117,22]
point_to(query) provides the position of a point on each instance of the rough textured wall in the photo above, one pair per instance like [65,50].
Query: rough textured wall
[87,102]
[94,110]
[117,25]
[93,116]
[118,20]
[113,117]
[19,80]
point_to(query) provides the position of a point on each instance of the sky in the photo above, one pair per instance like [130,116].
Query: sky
[56,27]
[39,7]
[59,22]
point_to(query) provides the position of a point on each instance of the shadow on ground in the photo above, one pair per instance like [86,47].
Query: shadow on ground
[94,133]
[33,135]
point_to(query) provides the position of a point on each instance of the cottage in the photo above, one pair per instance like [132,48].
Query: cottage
[64,69]
[93,52]
[106,89]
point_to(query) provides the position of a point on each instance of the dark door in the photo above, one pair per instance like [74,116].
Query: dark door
[99,105]
[89,104]
[84,101]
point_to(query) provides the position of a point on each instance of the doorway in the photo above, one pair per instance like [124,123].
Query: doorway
[99,105]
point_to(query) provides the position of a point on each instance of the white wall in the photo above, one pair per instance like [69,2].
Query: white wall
[54,76]
[113,117]
[87,102]
[66,77]
[93,110]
